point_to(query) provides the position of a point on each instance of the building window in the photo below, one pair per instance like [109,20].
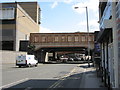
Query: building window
[39,13]
[56,39]
[76,38]
[69,38]
[7,32]
[7,45]
[7,13]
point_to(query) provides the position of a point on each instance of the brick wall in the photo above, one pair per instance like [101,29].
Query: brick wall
[62,39]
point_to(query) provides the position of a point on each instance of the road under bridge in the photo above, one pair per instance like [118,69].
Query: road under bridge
[58,43]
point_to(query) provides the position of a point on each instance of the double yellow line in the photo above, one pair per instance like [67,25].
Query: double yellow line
[63,78]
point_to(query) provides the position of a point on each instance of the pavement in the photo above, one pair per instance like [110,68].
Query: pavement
[81,77]
[90,79]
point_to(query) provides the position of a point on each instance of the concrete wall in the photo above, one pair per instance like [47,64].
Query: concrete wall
[9,56]
[24,23]
[24,26]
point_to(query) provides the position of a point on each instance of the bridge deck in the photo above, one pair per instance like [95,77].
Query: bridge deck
[44,40]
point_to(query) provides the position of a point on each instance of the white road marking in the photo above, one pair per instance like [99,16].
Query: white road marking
[56,84]
[11,84]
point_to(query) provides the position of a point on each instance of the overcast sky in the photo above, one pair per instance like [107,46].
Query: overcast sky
[61,16]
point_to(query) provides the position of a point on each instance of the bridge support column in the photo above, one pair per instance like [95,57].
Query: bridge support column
[46,57]
[42,56]
[54,55]
[38,56]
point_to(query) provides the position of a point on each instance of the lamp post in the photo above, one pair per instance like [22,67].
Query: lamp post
[87,33]
[41,57]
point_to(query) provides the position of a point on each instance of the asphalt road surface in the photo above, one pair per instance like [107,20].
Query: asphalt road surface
[48,76]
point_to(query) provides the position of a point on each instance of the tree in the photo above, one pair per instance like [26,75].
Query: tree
[31,49]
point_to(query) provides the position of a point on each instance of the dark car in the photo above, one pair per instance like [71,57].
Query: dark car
[77,59]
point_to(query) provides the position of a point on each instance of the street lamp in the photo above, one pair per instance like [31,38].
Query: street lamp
[87,33]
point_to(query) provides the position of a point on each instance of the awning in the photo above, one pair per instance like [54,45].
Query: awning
[103,34]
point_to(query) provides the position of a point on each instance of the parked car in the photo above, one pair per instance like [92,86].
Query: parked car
[64,59]
[82,59]
[77,59]
[26,60]
[70,59]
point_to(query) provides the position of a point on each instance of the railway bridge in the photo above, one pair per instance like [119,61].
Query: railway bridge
[47,44]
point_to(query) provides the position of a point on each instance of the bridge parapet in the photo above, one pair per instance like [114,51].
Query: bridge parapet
[61,40]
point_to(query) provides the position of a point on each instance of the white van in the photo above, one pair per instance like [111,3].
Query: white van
[26,60]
